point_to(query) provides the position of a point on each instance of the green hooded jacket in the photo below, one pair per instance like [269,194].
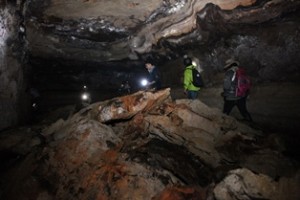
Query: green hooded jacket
[188,79]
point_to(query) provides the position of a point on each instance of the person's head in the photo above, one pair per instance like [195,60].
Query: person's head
[149,64]
[230,63]
[187,61]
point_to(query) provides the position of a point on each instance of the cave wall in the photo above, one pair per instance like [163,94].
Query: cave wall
[269,51]
[263,36]
[13,98]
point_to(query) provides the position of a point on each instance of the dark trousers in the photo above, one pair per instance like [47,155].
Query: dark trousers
[241,104]
[192,94]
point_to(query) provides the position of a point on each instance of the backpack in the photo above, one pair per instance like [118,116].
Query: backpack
[243,83]
[197,79]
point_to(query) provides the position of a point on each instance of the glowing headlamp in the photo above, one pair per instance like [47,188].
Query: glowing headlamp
[144,82]
[194,63]
[84,96]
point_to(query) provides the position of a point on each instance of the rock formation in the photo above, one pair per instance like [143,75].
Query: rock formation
[147,146]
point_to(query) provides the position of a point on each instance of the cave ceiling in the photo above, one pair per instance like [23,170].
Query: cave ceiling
[97,31]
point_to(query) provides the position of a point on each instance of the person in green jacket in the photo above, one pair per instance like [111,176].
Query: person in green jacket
[189,89]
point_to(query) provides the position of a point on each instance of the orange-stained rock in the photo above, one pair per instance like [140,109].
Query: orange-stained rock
[158,150]
[127,106]
[182,193]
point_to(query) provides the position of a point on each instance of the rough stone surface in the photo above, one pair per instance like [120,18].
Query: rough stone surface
[12,72]
[244,184]
[169,150]
[120,29]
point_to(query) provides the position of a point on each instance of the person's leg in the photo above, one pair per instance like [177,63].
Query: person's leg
[195,94]
[192,94]
[228,105]
[241,104]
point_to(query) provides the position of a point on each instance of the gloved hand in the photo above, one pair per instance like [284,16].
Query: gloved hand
[150,83]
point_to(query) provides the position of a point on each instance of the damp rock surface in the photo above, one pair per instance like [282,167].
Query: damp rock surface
[165,149]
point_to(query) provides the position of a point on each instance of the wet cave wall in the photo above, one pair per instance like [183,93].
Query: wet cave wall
[13,73]
[58,52]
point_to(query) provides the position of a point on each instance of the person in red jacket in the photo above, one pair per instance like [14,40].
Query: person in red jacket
[229,94]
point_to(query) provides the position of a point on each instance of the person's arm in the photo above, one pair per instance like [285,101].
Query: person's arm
[228,79]
[155,77]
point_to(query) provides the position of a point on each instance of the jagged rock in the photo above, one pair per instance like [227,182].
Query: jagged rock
[20,141]
[203,131]
[127,106]
[244,184]
[181,193]
[156,149]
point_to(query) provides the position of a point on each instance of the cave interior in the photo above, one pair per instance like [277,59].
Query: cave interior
[57,47]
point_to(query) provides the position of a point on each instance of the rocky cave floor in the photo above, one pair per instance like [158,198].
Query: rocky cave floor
[146,146]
